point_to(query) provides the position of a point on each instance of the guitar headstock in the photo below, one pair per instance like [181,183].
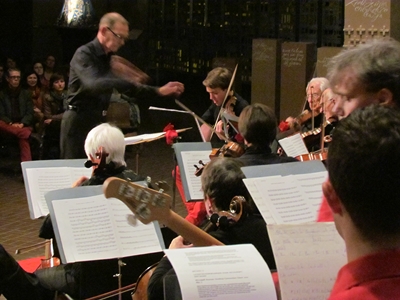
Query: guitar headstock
[147,204]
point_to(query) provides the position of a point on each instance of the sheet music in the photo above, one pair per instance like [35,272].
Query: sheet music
[293,145]
[43,180]
[308,258]
[257,197]
[93,228]
[286,200]
[311,183]
[275,196]
[191,158]
[222,272]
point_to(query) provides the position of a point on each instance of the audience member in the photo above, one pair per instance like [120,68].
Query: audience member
[217,84]
[16,112]
[11,63]
[15,283]
[33,85]
[92,81]
[361,76]
[54,106]
[49,65]
[222,180]
[362,191]
[38,68]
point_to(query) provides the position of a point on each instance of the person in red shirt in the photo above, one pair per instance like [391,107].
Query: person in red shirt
[361,76]
[363,193]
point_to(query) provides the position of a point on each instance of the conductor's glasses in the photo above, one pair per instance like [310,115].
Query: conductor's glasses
[123,39]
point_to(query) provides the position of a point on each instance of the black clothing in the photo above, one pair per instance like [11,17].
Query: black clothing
[16,284]
[256,156]
[252,230]
[16,106]
[91,84]
[211,114]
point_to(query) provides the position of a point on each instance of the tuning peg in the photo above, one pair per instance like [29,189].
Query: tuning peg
[131,220]
[163,185]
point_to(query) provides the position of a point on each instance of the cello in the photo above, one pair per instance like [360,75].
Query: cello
[149,205]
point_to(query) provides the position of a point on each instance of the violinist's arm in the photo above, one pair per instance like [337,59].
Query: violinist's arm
[206,132]
[219,130]
[79,181]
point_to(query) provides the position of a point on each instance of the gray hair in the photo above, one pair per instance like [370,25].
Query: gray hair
[375,63]
[323,83]
[111,139]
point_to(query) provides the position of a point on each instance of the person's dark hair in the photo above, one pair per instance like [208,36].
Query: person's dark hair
[218,78]
[28,73]
[258,125]
[54,77]
[375,63]
[222,179]
[364,164]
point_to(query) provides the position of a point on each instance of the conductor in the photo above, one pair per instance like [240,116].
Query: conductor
[93,75]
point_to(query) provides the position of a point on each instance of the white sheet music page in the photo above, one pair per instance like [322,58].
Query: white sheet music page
[93,228]
[222,272]
[285,199]
[189,159]
[308,258]
[311,183]
[293,145]
[256,195]
[43,180]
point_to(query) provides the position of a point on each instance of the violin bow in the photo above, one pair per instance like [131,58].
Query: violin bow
[196,116]
[226,97]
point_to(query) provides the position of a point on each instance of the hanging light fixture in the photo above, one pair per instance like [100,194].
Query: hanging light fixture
[77,14]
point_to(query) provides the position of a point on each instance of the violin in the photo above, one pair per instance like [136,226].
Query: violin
[230,149]
[320,155]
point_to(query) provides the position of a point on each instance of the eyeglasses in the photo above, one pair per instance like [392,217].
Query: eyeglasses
[38,67]
[15,77]
[117,35]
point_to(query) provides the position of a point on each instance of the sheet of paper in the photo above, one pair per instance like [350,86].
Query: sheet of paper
[308,257]
[293,145]
[92,228]
[222,272]
[43,180]
[191,158]
[258,199]
[285,199]
[311,183]
[143,137]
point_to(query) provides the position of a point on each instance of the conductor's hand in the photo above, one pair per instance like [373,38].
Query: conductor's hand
[179,242]
[172,88]
[79,181]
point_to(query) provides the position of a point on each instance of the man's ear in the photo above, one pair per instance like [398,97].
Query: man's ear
[385,97]
[332,198]
[103,30]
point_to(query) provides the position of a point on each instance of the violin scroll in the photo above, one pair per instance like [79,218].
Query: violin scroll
[238,210]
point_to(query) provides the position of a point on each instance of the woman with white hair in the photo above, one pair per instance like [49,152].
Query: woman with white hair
[110,140]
